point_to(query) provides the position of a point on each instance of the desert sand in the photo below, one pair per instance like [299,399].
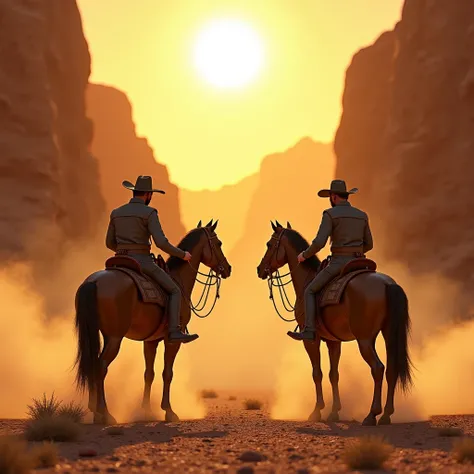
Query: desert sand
[233,439]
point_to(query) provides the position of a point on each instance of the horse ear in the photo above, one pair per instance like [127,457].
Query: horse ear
[199,224]
[288,225]
[209,223]
[273,226]
[213,228]
[278,224]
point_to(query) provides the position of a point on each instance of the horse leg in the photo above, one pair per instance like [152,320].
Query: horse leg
[391,377]
[313,350]
[109,353]
[334,349]
[171,350]
[368,352]
[149,352]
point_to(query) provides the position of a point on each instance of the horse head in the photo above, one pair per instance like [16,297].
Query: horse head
[212,255]
[275,256]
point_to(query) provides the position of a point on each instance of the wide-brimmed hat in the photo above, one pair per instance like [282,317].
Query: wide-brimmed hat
[143,184]
[338,186]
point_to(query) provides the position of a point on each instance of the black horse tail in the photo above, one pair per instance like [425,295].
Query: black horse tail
[398,335]
[88,340]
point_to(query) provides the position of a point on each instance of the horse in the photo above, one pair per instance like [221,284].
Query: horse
[108,302]
[371,303]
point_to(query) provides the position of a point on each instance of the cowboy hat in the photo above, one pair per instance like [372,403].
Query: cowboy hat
[338,186]
[143,184]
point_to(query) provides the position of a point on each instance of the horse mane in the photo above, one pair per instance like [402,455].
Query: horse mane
[188,242]
[299,243]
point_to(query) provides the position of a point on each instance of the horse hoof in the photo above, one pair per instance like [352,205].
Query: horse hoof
[370,421]
[315,416]
[385,420]
[171,417]
[333,417]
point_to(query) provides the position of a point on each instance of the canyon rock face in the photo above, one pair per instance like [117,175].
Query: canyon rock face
[49,190]
[123,155]
[406,137]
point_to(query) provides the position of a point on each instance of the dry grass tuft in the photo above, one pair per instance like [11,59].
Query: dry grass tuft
[464,450]
[115,431]
[73,411]
[13,456]
[43,408]
[253,404]
[368,452]
[45,455]
[450,432]
[209,394]
[54,428]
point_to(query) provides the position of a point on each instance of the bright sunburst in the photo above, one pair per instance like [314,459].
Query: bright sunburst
[228,53]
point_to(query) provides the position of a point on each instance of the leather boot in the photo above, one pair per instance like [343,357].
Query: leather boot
[176,335]
[311,315]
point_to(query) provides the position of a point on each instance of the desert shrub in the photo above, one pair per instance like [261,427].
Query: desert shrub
[44,407]
[209,394]
[53,428]
[44,455]
[368,452]
[13,456]
[253,404]
[464,450]
[73,411]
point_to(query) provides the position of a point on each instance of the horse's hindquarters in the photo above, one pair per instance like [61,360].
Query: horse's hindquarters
[122,313]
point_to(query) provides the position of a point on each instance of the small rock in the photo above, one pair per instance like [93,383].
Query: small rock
[245,470]
[87,453]
[251,456]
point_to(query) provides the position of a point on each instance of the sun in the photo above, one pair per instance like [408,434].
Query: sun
[228,53]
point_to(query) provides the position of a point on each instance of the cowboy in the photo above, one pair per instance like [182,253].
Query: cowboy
[348,228]
[129,232]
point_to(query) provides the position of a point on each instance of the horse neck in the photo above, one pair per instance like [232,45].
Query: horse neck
[186,274]
[300,274]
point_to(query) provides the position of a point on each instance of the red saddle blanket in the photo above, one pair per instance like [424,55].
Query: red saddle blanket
[333,291]
[149,291]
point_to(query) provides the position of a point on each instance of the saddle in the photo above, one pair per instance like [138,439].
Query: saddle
[332,293]
[148,290]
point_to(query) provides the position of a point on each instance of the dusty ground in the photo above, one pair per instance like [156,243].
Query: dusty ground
[216,443]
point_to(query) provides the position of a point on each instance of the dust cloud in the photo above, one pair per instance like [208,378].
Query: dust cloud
[37,354]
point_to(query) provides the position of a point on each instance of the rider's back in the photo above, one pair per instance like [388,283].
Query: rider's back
[350,226]
[131,223]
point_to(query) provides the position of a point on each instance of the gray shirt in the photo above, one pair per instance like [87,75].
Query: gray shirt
[346,225]
[133,224]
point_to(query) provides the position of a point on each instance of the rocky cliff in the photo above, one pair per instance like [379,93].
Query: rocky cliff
[124,155]
[407,135]
[49,189]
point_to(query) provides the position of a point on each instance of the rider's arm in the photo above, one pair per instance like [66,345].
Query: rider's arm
[368,242]
[154,227]
[110,240]
[324,232]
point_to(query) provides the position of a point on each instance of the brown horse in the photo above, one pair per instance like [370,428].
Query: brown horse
[372,302]
[108,302]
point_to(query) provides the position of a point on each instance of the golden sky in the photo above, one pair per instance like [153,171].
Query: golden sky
[208,136]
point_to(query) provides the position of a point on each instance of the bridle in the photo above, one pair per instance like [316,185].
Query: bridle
[277,282]
[212,279]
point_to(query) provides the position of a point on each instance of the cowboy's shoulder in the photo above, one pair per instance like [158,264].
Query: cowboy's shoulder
[346,211]
[133,209]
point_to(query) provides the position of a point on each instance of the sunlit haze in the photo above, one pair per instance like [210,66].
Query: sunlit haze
[209,136]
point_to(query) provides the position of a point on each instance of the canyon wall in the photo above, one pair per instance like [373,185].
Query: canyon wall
[124,155]
[49,187]
[406,137]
